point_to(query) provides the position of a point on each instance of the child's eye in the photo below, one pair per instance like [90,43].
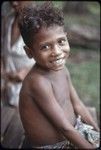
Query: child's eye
[62,41]
[45,47]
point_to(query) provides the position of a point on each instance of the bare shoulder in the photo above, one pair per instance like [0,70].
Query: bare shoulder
[34,84]
[35,89]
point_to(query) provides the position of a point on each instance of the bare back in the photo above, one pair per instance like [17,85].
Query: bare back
[37,124]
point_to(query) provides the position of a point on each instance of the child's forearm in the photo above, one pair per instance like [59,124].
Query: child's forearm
[86,116]
[77,139]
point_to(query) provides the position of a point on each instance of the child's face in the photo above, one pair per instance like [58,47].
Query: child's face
[51,48]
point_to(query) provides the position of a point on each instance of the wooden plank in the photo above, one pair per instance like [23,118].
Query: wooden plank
[15,133]
[6,116]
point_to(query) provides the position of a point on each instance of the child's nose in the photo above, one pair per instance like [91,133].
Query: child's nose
[57,50]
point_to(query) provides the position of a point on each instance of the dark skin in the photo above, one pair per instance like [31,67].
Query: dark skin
[48,101]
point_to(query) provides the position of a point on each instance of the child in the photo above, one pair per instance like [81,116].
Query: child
[49,105]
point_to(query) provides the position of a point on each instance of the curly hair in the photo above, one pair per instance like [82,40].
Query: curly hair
[32,19]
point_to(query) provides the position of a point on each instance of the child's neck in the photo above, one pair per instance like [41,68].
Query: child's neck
[46,70]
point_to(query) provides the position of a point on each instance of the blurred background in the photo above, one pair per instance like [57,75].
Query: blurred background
[82,23]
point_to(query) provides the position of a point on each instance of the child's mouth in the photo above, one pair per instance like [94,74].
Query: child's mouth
[58,61]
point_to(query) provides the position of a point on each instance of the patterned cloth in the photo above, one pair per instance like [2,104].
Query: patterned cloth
[59,145]
[85,130]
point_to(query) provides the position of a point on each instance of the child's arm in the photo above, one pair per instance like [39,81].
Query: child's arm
[44,98]
[79,107]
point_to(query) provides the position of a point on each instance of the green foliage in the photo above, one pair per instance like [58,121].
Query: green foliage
[58,4]
[94,7]
[86,78]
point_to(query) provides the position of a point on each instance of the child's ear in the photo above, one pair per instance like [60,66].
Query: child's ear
[28,51]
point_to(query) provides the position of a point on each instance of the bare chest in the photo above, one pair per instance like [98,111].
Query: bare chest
[61,91]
